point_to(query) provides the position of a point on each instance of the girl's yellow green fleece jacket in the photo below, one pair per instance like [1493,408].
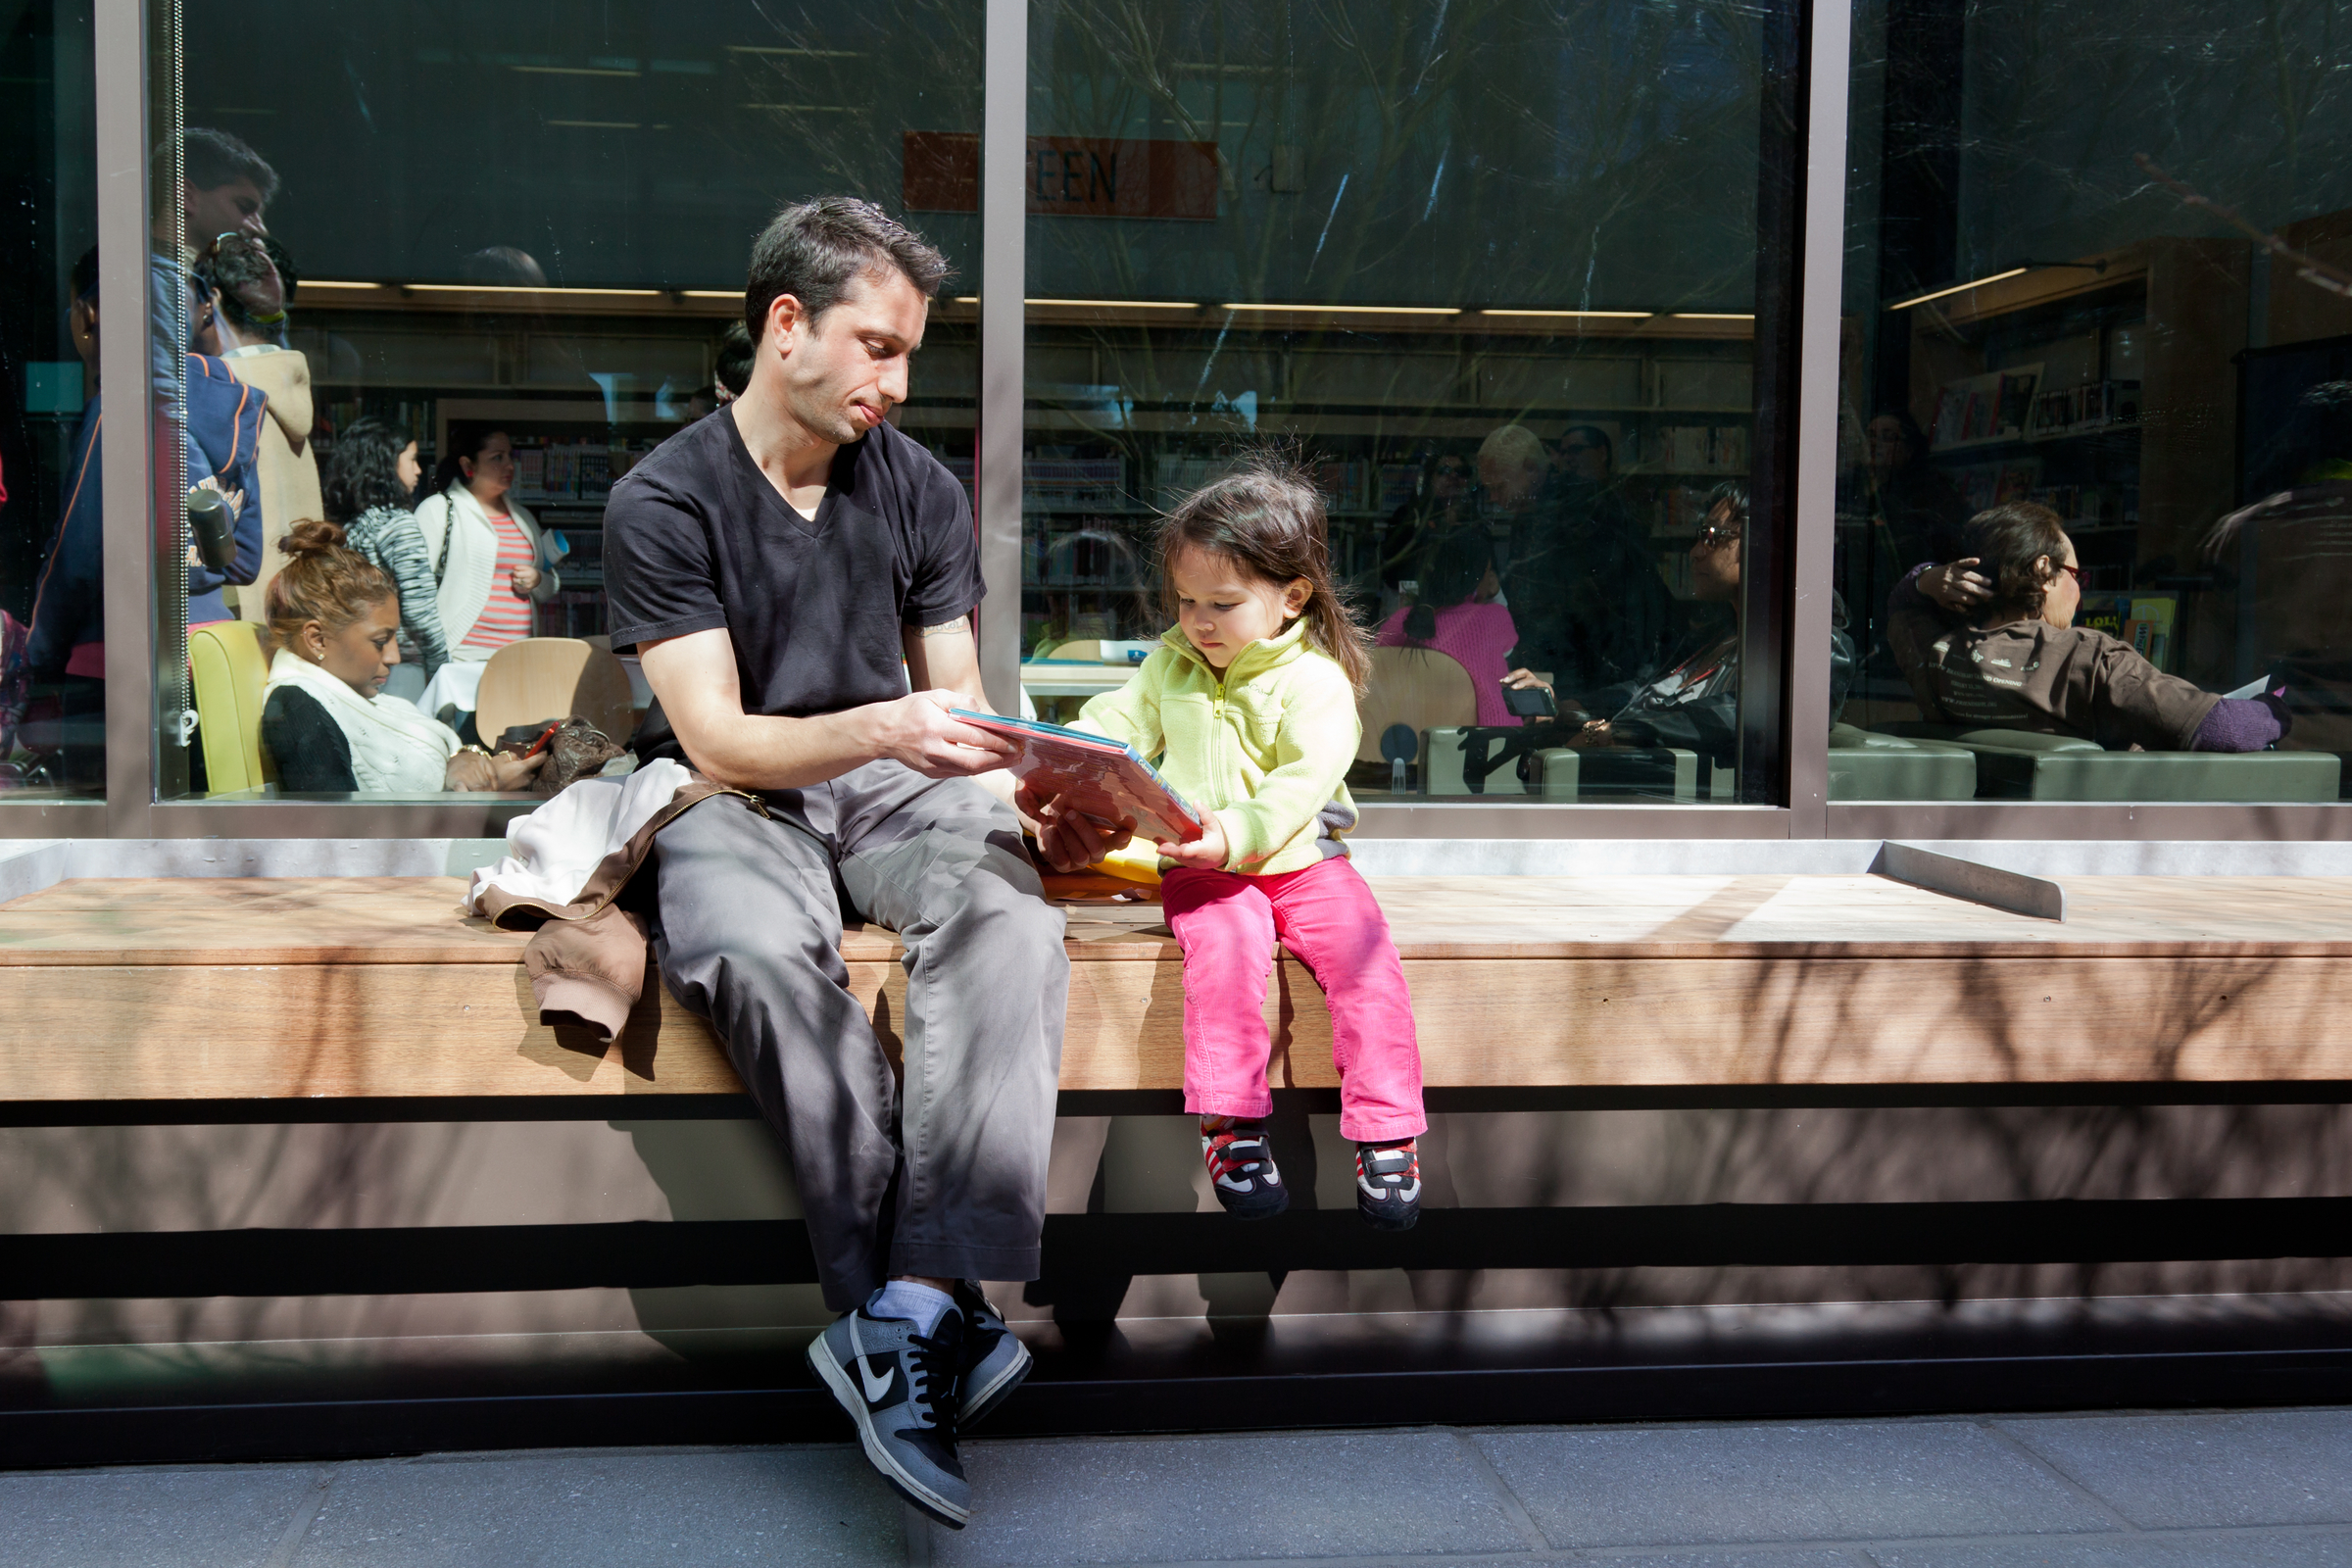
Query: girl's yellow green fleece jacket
[1265,746]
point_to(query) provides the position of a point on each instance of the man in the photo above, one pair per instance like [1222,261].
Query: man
[1583,587]
[773,565]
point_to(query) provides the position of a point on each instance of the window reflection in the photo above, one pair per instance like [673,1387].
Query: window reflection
[2055,336]
[1492,282]
[52,707]
[469,280]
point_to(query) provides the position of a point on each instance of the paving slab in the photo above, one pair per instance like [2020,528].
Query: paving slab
[1221,1498]
[589,1508]
[1803,1480]
[2250,1550]
[2247,1467]
[221,1517]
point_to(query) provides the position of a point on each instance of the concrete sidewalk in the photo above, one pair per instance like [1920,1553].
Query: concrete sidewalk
[2136,1490]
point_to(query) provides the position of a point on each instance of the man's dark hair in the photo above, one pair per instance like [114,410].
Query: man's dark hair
[1594,435]
[1732,493]
[212,159]
[736,352]
[813,249]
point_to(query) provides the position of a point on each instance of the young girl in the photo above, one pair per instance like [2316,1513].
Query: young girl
[1251,706]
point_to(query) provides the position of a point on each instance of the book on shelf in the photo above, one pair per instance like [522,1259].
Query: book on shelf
[2091,406]
[1993,405]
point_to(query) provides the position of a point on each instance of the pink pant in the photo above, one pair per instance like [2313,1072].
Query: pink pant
[1227,925]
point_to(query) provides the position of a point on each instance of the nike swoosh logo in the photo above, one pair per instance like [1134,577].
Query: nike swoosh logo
[876,1388]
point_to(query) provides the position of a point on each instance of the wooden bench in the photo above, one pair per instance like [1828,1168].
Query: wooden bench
[271,994]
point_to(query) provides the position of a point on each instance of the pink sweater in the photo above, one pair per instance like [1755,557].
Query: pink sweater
[1478,637]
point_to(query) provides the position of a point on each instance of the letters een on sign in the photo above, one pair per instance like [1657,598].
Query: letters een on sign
[1068,176]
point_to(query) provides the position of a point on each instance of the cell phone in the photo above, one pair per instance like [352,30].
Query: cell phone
[1530,702]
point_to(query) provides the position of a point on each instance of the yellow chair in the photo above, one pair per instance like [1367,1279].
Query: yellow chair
[229,669]
[1419,688]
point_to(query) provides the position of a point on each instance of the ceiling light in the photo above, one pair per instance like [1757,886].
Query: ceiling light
[1626,315]
[1351,310]
[1713,315]
[1956,288]
[321,282]
[1122,305]
[711,293]
[521,288]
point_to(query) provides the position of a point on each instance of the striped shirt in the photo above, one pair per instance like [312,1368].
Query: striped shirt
[507,618]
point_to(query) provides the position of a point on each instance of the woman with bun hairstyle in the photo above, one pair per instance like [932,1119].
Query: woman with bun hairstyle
[1456,616]
[333,619]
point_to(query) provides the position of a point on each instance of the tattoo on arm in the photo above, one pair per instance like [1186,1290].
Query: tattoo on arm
[959,627]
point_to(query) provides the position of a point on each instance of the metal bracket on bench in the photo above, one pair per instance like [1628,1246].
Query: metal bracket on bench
[1956,878]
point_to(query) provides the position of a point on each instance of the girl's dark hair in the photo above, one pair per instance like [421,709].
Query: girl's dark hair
[2008,540]
[465,441]
[1450,576]
[736,355]
[363,470]
[326,581]
[1267,518]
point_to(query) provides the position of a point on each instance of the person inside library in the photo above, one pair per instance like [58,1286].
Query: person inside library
[787,568]
[371,481]
[484,545]
[1454,613]
[1444,503]
[1694,704]
[1988,642]
[250,286]
[335,623]
[733,366]
[1581,584]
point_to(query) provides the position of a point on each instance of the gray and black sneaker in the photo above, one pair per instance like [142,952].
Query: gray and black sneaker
[1241,1167]
[1388,1185]
[899,1388]
[995,1360]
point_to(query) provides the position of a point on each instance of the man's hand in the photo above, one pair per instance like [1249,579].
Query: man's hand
[917,730]
[1958,587]
[1068,839]
[1206,853]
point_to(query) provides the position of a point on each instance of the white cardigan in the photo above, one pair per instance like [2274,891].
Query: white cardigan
[469,560]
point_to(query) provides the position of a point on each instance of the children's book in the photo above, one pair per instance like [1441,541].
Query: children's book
[1102,778]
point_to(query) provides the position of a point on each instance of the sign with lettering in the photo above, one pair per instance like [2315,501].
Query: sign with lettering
[1068,176]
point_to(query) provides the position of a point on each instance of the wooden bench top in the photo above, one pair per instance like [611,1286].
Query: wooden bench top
[267,989]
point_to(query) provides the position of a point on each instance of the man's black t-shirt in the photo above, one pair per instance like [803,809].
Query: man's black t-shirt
[696,537]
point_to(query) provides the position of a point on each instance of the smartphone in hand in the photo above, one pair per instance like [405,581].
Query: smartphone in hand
[1530,702]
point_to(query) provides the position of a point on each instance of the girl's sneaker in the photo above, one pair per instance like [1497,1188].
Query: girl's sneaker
[1241,1167]
[1388,1185]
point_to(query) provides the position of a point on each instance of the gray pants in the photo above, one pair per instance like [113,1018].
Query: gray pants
[748,935]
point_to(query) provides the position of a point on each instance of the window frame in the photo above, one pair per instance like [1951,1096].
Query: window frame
[1806,449]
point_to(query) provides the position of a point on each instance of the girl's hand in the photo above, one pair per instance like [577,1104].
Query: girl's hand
[526,578]
[1957,587]
[1206,853]
[1522,679]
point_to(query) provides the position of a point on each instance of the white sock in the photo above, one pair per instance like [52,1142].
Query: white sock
[920,1304]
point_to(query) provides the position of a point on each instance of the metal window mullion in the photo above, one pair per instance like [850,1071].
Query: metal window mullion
[127,447]
[1829,47]
[1003,266]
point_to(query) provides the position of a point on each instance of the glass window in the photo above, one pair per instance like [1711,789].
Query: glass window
[52,707]
[2099,341]
[475,268]
[1490,276]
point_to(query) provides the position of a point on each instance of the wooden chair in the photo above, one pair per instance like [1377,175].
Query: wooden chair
[230,669]
[1419,688]
[543,678]
[1090,650]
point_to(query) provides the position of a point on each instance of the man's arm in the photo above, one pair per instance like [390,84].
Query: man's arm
[694,680]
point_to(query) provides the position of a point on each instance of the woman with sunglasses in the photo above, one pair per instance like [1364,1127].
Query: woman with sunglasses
[1988,642]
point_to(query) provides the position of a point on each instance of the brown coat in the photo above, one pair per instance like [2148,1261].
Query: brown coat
[587,963]
[2051,680]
